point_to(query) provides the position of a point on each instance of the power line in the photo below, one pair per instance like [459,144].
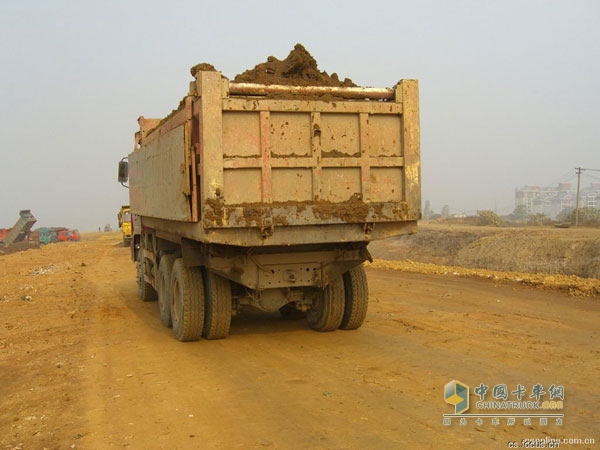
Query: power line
[562,179]
[593,177]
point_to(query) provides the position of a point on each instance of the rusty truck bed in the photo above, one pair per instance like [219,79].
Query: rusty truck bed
[237,165]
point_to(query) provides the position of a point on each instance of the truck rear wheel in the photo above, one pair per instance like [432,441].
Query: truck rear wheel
[164,289]
[187,301]
[356,292]
[218,306]
[327,310]
[145,290]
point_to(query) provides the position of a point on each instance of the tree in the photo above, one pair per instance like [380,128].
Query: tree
[539,219]
[520,213]
[566,215]
[489,218]
[587,216]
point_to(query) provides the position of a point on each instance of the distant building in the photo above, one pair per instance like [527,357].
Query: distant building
[551,201]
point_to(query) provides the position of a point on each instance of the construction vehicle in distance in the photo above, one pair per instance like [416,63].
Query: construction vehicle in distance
[243,197]
[43,236]
[68,234]
[124,218]
[50,235]
[21,229]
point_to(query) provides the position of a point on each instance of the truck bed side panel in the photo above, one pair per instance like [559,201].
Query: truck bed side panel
[159,179]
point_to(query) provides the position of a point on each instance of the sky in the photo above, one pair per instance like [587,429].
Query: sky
[509,90]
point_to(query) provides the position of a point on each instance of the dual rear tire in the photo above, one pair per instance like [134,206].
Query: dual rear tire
[217,320]
[356,298]
[187,301]
[193,300]
[342,303]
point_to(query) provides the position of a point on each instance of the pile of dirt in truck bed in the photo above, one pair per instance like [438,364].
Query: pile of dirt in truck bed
[298,69]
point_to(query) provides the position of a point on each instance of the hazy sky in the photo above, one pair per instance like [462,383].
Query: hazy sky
[509,89]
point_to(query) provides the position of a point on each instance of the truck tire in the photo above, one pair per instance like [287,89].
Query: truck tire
[356,293]
[164,289]
[145,290]
[187,301]
[217,319]
[327,311]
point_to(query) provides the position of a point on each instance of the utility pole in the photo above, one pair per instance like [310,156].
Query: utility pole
[579,172]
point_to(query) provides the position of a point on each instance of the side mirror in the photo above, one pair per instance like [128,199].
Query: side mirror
[123,171]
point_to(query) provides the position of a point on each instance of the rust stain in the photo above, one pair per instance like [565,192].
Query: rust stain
[214,211]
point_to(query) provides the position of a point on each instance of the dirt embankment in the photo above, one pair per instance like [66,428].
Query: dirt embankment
[17,247]
[530,250]
[567,258]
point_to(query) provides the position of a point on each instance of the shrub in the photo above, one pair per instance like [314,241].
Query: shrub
[489,218]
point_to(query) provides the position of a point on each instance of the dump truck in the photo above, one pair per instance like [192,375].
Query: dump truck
[124,218]
[44,235]
[21,229]
[50,235]
[267,196]
[68,234]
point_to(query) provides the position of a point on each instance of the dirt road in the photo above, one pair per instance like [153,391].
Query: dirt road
[85,364]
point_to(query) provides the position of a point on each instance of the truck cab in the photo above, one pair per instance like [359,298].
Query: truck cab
[124,218]
[69,235]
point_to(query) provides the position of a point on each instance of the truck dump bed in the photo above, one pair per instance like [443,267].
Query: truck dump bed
[21,228]
[254,165]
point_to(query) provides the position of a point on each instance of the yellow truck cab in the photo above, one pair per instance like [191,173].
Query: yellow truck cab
[124,218]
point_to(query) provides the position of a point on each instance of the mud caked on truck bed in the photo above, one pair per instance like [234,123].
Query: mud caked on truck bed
[267,196]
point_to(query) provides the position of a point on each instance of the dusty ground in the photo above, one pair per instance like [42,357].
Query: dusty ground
[85,364]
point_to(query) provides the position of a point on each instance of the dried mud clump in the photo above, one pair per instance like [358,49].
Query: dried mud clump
[298,69]
[202,67]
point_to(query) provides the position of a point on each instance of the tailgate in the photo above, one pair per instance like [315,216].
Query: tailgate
[267,162]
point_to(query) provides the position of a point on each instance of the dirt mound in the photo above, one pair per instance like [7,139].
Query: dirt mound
[17,247]
[534,251]
[431,246]
[298,69]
